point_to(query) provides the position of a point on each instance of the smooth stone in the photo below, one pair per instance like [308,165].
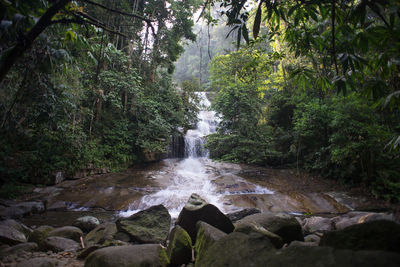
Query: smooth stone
[197,209]
[128,256]
[284,225]
[40,234]
[317,224]
[248,228]
[40,262]
[147,226]
[70,232]
[59,244]
[11,236]
[86,223]
[23,247]
[17,226]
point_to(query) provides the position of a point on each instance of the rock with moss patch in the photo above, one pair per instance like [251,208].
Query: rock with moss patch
[147,226]
[284,225]
[102,233]
[179,249]
[207,235]
[40,234]
[197,209]
[70,232]
[374,235]
[128,256]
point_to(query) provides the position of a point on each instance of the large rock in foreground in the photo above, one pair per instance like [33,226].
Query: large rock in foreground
[101,234]
[374,235]
[86,223]
[58,244]
[197,209]
[236,249]
[147,226]
[180,247]
[207,235]
[128,256]
[284,225]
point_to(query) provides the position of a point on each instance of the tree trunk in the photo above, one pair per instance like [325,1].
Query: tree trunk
[10,57]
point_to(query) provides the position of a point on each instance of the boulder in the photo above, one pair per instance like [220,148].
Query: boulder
[86,223]
[356,217]
[28,247]
[228,252]
[236,249]
[317,224]
[11,236]
[102,233]
[58,244]
[179,249]
[374,235]
[238,215]
[284,225]
[197,209]
[248,228]
[128,256]
[30,207]
[122,237]
[40,234]
[58,206]
[207,235]
[40,262]
[17,226]
[147,226]
[70,232]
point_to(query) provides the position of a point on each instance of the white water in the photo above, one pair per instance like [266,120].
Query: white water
[191,174]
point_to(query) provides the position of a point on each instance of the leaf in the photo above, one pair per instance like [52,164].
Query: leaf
[257,21]
[245,33]
[239,37]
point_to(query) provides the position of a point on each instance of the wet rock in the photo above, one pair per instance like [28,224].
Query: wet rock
[248,228]
[302,244]
[102,233]
[238,215]
[197,209]
[127,256]
[207,235]
[236,249]
[58,206]
[17,226]
[317,224]
[374,235]
[40,234]
[23,247]
[11,236]
[148,226]
[86,252]
[30,207]
[40,262]
[58,244]
[70,232]
[284,225]
[180,247]
[87,223]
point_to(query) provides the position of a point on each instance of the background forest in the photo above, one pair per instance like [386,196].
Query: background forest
[94,88]
[311,85]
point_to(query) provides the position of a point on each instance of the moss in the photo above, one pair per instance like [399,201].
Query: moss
[180,248]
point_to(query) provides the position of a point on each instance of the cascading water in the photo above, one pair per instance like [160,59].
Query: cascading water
[191,175]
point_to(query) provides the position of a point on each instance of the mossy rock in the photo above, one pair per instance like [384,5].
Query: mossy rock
[179,249]
[128,256]
[40,234]
[207,235]
[374,235]
[101,234]
[248,228]
[70,232]
[148,226]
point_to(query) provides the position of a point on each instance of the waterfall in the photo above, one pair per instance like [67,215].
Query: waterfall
[195,139]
